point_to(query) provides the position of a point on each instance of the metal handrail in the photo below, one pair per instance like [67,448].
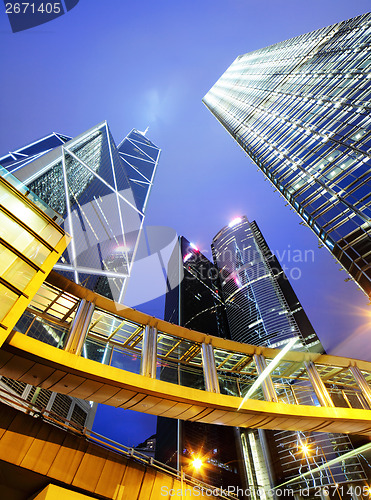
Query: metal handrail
[53,418]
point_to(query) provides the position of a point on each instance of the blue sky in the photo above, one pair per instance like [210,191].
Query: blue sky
[149,64]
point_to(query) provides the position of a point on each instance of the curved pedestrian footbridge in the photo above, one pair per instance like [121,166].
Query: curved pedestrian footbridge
[73,341]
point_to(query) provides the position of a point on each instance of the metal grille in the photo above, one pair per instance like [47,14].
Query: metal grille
[61,405]
[17,387]
[78,415]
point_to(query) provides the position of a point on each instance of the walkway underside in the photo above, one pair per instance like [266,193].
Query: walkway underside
[34,453]
[31,361]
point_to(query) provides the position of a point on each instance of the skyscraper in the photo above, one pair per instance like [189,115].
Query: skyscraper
[263,309]
[261,306]
[194,301]
[300,109]
[101,192]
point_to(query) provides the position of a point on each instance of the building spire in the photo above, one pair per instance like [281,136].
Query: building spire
[144,133]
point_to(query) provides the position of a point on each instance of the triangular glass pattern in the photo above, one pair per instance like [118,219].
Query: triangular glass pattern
[94,216]
[50,188]
[93,149]
[132,221]
[140,138]
[41,146]
[129,148]
[133,173]
[140,191]
[152,152]
[104,193]
[119,169]
[145,167]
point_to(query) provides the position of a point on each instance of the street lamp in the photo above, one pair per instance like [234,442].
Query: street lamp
[196,463]
[305,449]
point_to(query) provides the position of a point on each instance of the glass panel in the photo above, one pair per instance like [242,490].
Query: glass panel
[46,331]
[229,384]
[17,207]
[126,360]
[7,301]
[14,270]
[23,241]
[50,235]
[182,374]
[97,351]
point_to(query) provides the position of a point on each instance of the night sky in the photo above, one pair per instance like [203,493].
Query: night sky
[149,64]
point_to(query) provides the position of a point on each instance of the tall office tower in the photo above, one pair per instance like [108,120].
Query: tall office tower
[261,305]
[263,309]
[101,192]
[300,109]
[194,302]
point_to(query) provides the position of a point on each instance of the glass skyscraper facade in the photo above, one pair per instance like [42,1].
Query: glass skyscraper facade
[261,306]
[263,309]
[301,111]
[101,191]
[194,301]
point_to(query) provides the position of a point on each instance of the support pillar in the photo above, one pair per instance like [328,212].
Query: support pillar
[80,327]
[267,384]
[149,352]
[319,387]
[362,383]
[209,367]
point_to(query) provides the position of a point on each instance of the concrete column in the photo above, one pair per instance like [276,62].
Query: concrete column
[362,383]
[267,384]
[319,387]
[149,352]
[209,367]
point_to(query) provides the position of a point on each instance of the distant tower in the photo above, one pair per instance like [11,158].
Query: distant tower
[301,111]
[194,301]
[261,306]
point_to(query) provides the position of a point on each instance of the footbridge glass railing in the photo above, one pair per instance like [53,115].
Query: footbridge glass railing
[131,341]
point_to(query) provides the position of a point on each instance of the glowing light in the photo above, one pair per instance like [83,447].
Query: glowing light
[237,281]
[235,221]
[121,248]
[305,449]
[197,463]
[194,247]
[187,257]
[264,374]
